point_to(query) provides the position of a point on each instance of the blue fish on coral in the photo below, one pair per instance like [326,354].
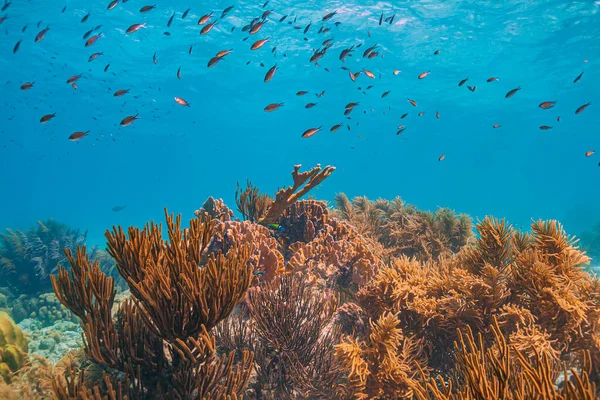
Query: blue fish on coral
[277,227]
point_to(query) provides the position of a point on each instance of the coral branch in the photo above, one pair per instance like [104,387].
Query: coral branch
[286,197]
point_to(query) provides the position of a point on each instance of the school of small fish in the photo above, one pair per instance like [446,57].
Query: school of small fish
[252,31]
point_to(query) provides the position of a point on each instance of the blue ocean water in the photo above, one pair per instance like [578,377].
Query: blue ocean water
[176,156]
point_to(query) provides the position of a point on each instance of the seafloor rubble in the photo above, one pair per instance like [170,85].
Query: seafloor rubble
[299,300]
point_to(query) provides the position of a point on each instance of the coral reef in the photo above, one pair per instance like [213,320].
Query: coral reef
[401,229]
[28,258]
[371,300]
[13,347]
[54,341]
[160,345]
[44,308]
[502,371]
[532,283]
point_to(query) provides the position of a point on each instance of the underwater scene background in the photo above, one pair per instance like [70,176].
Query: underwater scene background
[448,157]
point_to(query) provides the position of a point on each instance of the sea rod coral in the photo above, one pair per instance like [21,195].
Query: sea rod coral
[160,345]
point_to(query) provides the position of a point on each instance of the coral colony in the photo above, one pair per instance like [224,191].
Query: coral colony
[299,300]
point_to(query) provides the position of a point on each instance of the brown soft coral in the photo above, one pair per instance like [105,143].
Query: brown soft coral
[384,365]
[532,283]
[403,230]
[503,372]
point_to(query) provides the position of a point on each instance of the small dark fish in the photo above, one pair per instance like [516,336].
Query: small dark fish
[310,105]
[472,88]
[106,68]
[581,108]
[404,116]
[87,34]
[182,102]
[207,28]
[307,28]
[74,79]
[167,33]
[24,29]
[226,11]
[255,28]
[265,14]
[40,36]
[170,21]
[437,115]
[381,19]
[512,92]
[179,73]
[545,127]
[273,106]
[336,127]
[64,9]
[463,82]
[129,120]
[301,93]
[85,17]
[112,4]
[17,45]
[185,13]
[121,92]
[146,9]
[327,17]
[223,53]
[259,43]
[213,61]
[154,59]
[310,132]
[118,208]
[135,27]
[270,73]
[92,40]
[385,94]
[545,105]
[47,118]
[78,136]
[492,79]
[6,5]
[435,53]
[496,126]
[204,19]
[578,78]
[94,56]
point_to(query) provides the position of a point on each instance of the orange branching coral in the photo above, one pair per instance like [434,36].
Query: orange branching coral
[403,230]
[303,183]
[385,365]
[160,345]
[532,283]
[503,372]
